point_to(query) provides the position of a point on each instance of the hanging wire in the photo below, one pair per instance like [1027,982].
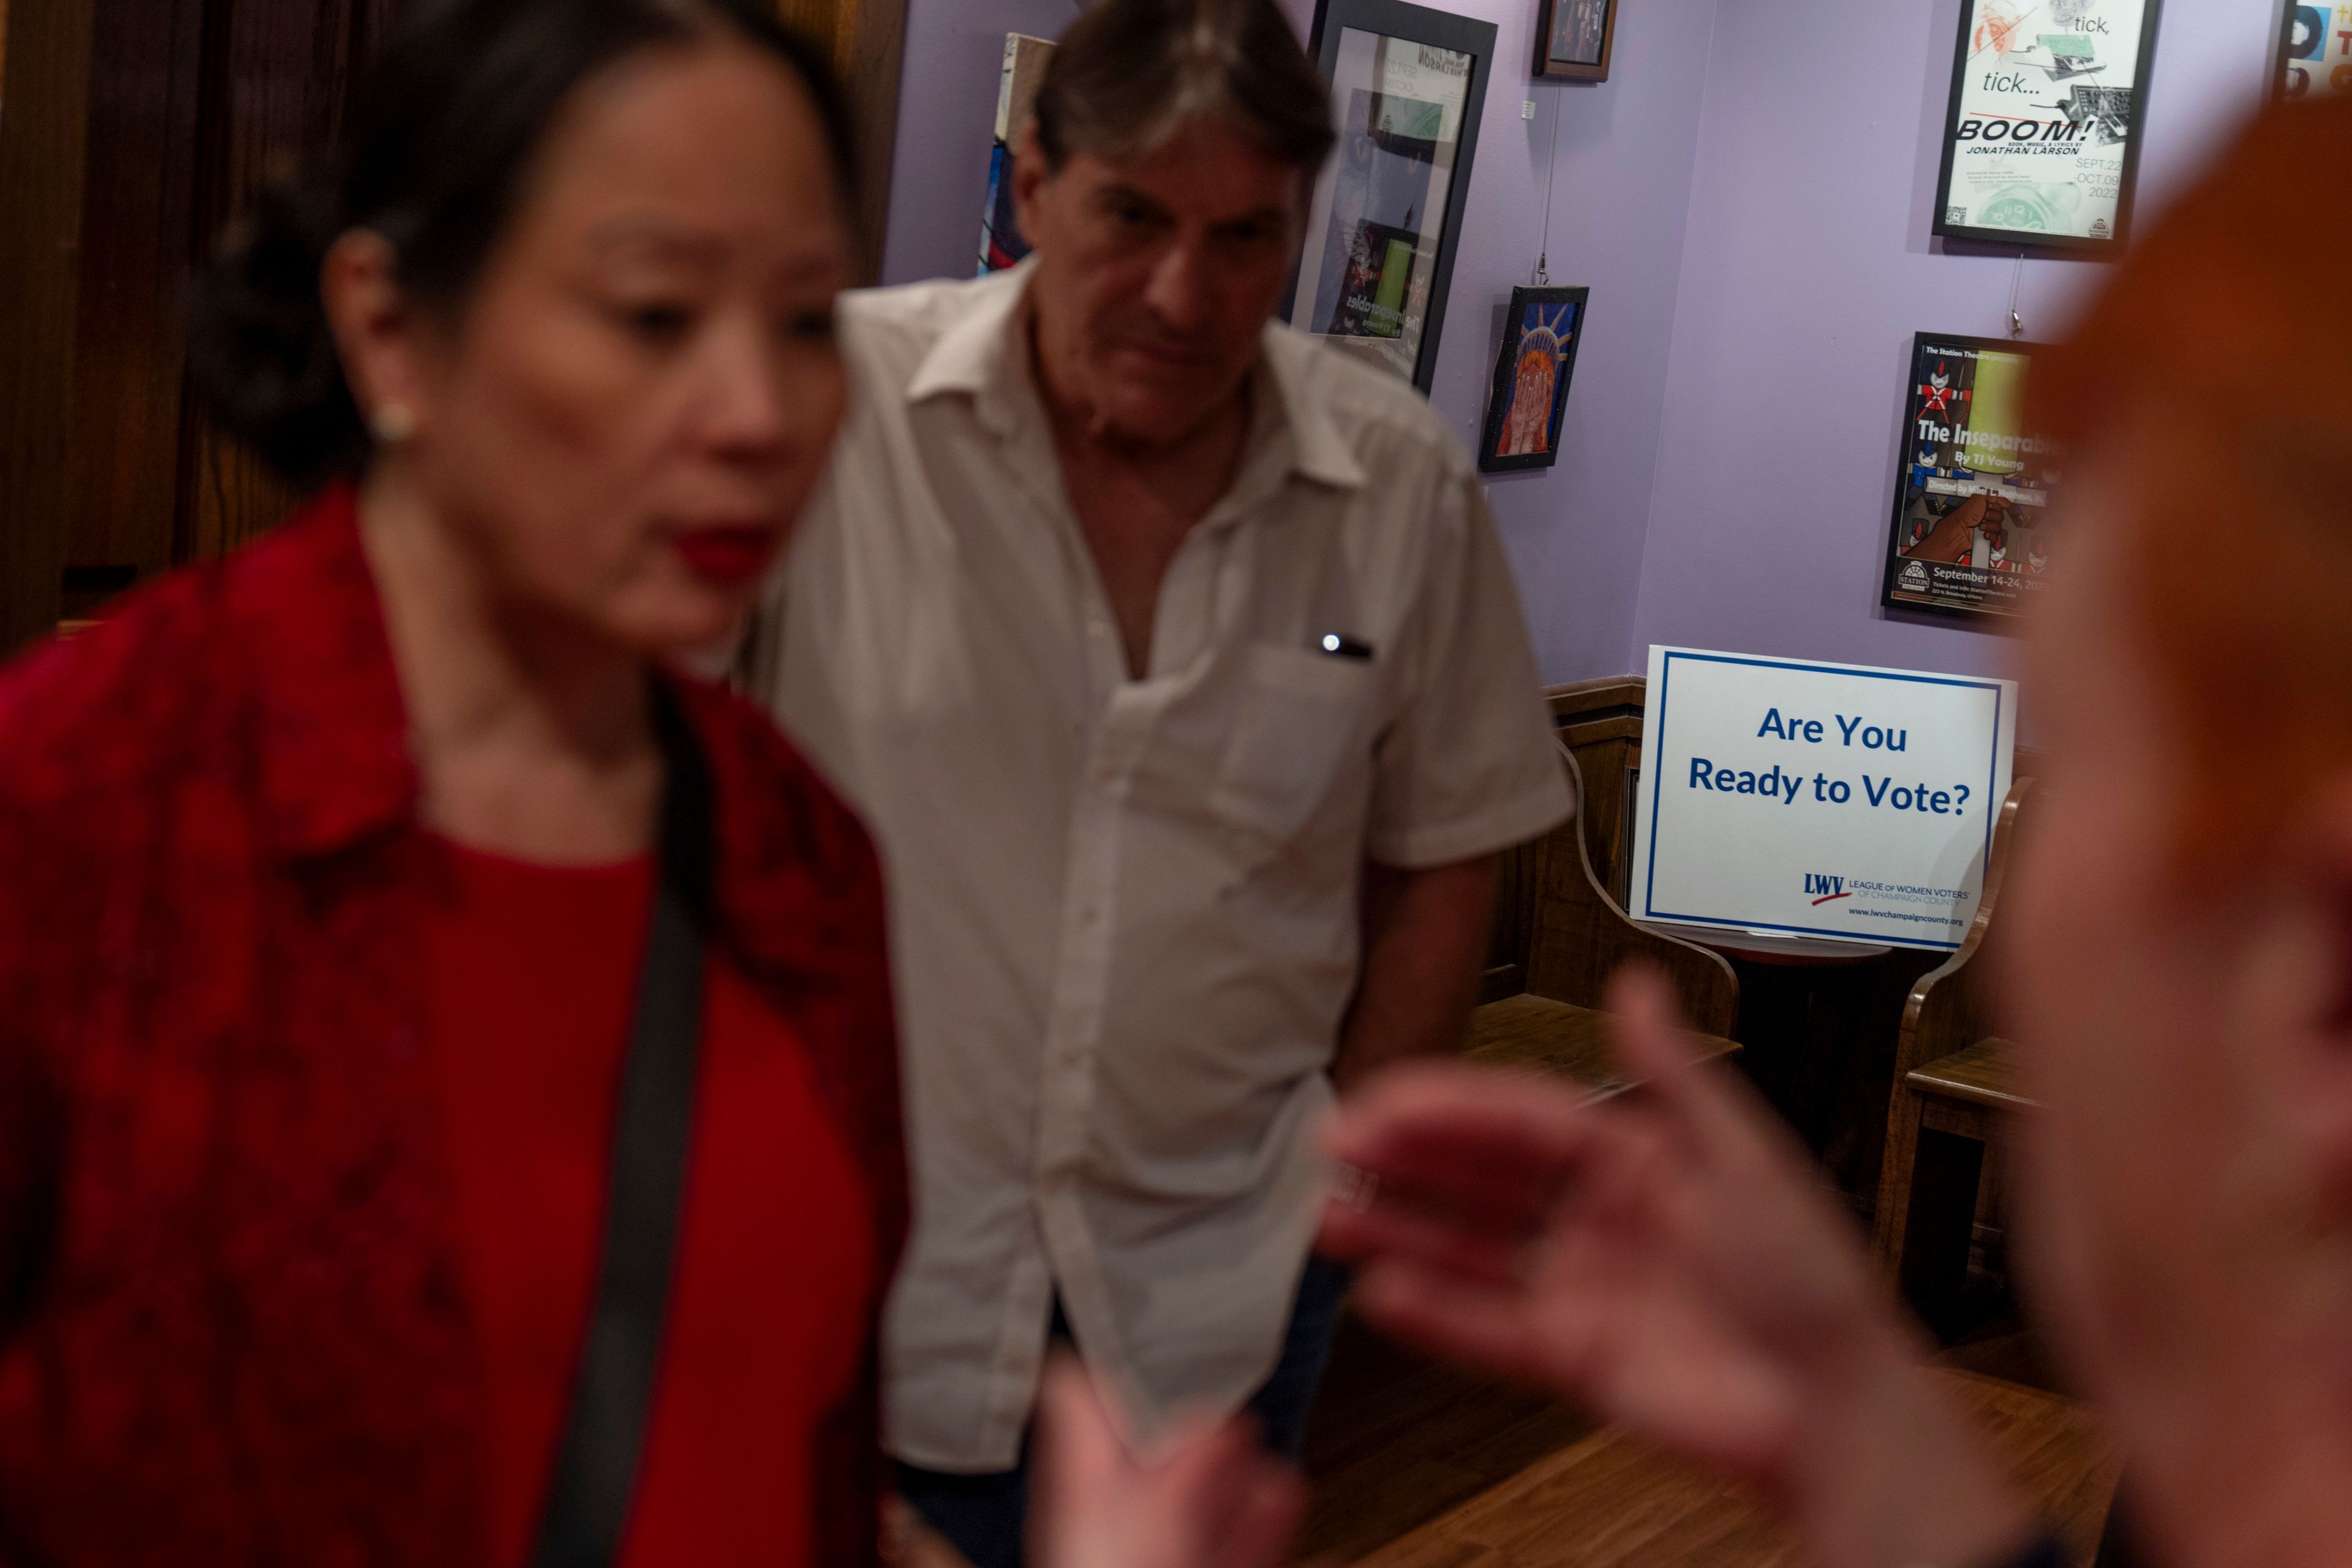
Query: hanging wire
[2016,284]
[1551,156]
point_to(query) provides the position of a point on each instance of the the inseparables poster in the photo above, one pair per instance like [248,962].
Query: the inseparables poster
[1971,529]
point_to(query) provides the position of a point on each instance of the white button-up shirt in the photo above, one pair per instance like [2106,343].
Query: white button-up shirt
[1124,913]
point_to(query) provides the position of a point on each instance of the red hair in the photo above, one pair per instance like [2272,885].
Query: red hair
[2219,359]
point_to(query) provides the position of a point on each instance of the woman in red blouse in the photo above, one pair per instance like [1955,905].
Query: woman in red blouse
[448,1110]
[327,875]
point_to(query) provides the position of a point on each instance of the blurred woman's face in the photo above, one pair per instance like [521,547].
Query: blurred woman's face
[2170,1031]
[643,388]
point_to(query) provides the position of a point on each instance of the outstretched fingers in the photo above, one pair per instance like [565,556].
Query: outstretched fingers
[1485,1326]
[1478,1137]
[1673,1079]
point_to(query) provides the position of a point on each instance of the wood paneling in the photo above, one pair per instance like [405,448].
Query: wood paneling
[43,139]
[281,79]
[1560,927]
[1602,722]
[1929,1192]
[867,41]
[139,203]
[121,168]
[1579,937]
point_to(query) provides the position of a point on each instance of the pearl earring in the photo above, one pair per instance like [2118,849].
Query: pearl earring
[393,423]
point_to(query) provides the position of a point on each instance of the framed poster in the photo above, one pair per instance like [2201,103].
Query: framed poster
[1408,86]
[2042,138]
[1970,535]
[1001,244]
[1573,38]
[1531,375]
[2316,50]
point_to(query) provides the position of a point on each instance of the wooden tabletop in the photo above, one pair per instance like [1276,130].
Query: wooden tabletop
[1788,951]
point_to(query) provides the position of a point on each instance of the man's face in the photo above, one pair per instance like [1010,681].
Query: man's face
[1156,275]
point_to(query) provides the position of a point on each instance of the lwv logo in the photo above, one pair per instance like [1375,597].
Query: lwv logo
[1828,887]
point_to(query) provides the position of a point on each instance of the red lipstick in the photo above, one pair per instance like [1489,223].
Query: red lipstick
[727,556]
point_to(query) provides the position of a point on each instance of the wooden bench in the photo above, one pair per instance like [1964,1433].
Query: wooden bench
[1574,938]
[1954,1086]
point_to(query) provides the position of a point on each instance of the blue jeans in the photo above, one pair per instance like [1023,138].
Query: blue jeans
[984,1516]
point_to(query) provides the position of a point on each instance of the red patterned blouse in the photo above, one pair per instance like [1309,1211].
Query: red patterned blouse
[235,1321]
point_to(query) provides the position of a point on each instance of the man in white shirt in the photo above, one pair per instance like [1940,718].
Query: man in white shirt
[1175,665]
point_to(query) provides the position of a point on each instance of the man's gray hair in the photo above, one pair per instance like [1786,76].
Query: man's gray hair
[1128,72]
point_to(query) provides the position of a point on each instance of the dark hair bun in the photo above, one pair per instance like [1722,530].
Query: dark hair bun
[449,117]
[259,349]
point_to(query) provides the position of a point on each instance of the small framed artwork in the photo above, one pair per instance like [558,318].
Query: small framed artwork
[1531,376]
[2315,51]
[1971,532]
[1573,38]
[2043,134]
[1408,86]
[1001,242]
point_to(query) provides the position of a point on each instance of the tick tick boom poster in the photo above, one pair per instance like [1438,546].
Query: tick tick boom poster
[1970,534]
[2042,137]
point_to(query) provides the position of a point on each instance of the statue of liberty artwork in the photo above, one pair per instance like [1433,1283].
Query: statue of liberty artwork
[1531,378]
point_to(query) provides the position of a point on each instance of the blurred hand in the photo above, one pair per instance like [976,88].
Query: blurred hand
[1669,1260]
[1204,1497]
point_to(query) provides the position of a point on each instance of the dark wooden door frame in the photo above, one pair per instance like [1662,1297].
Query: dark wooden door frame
[44,123]
[131,132]
[867,41]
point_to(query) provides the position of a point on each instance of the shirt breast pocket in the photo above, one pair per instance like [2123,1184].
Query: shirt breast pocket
[1300,715]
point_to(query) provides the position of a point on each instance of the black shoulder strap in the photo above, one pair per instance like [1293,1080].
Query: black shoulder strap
[596,1463]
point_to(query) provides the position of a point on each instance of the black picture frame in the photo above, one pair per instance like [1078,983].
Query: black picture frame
[1919,577]
[2299,77]
[1560,67]
[1503,401]
[1439,30]
[2025,239]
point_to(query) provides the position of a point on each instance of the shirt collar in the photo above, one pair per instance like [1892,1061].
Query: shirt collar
[980,356]
[332,738]
[983,356]
[1319,450]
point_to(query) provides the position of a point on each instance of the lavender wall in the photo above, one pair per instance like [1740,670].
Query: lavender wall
[947,111]
[1620,155]
[1808,268]
[1748,198]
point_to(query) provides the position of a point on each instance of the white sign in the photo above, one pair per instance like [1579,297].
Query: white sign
[1819,800]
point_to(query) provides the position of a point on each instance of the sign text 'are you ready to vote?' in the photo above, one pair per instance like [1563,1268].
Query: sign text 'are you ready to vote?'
[1877,791]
